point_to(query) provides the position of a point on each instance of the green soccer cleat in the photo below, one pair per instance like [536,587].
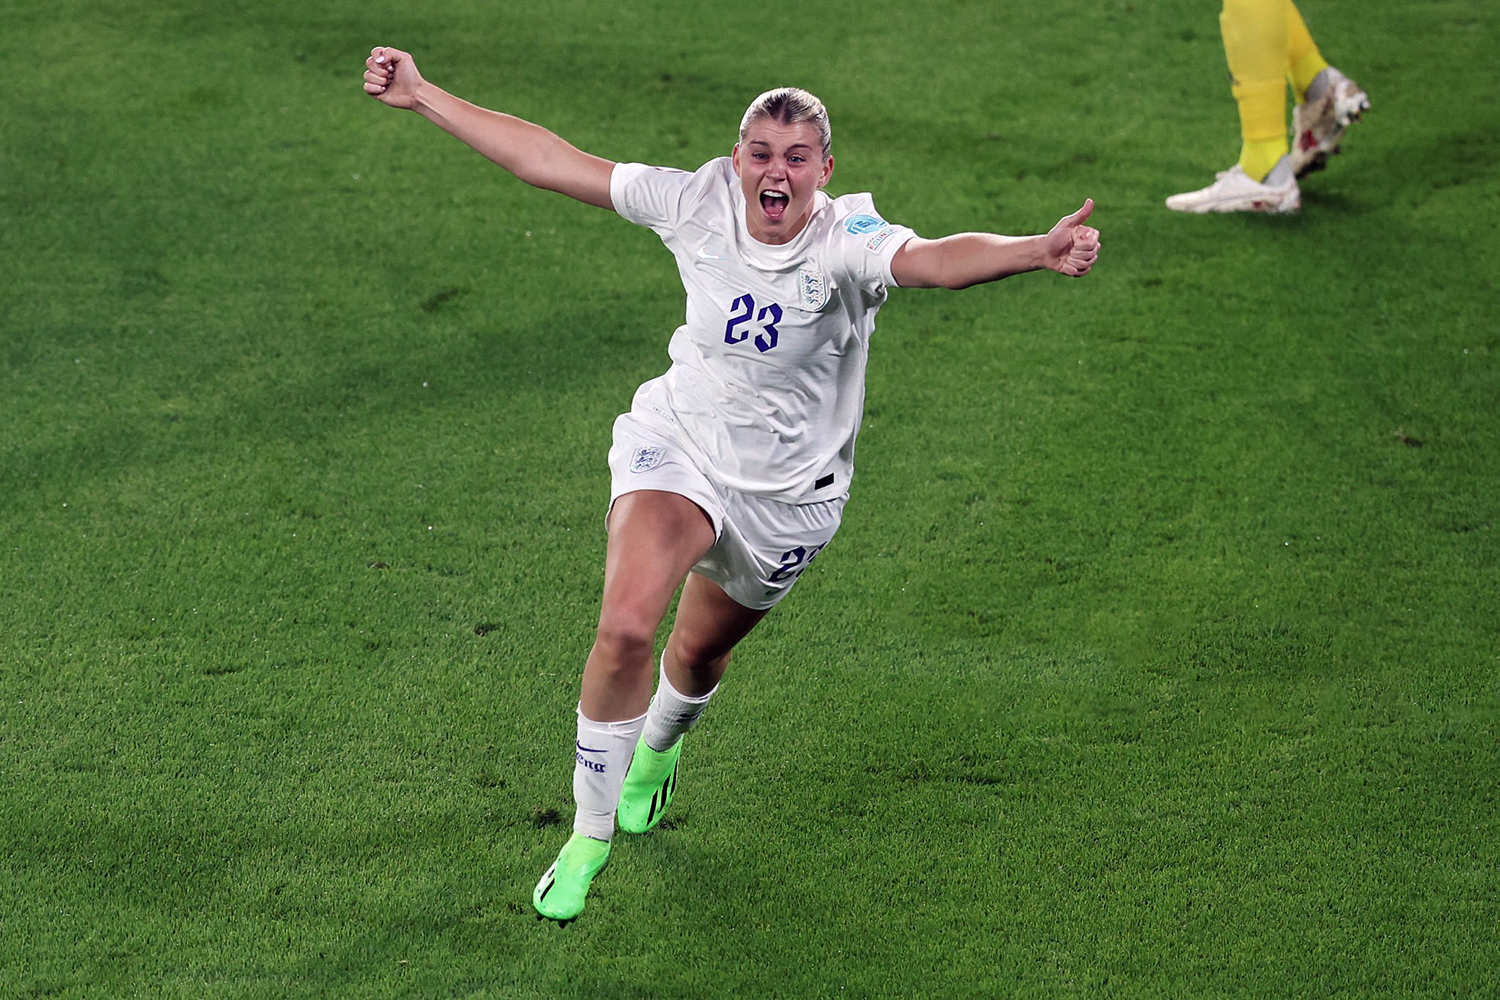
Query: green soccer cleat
[649,786]
[561,891]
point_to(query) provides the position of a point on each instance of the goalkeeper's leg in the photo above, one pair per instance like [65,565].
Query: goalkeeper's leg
[1255,45]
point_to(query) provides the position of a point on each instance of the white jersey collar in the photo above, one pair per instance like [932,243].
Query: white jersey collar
[767,256]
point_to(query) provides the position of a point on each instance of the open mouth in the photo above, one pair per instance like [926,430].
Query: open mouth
[774,204]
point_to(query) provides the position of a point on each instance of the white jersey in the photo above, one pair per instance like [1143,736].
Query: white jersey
[767,383]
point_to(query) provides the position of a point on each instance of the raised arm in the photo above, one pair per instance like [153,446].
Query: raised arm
[532,153]
[973,258]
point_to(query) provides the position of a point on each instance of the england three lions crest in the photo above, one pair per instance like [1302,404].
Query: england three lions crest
[813,287]
[648,458]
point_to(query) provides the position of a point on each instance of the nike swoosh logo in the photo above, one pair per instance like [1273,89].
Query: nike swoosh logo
[705,255]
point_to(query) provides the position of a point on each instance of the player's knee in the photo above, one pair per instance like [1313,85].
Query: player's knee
[699,660]
[625,641]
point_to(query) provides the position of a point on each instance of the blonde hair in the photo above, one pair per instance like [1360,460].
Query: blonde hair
[790,106]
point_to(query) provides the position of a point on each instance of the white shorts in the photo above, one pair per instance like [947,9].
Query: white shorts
[761,546]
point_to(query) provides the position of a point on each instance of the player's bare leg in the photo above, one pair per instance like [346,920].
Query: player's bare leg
[708,626]
[654,538]
[709,623]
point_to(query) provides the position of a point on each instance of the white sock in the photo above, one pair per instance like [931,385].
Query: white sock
[603,757]
[672,713]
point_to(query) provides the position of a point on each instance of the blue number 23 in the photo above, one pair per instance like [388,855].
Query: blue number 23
[767,318]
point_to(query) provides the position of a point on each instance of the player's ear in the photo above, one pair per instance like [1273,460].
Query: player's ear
[827,170]
[734,158]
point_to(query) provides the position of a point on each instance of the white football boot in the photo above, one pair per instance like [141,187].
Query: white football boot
[1234,191]
[1318,124]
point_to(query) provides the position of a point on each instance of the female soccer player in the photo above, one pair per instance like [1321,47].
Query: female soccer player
[730,472]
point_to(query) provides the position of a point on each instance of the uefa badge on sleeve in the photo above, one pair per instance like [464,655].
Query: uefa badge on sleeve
[648,458]
[813,288]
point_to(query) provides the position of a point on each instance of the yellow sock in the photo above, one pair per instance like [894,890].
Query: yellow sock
[1257,158]
[1304,61]
[1255,44]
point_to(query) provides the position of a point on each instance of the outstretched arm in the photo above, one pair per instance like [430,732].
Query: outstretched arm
[532,153]
[973,258]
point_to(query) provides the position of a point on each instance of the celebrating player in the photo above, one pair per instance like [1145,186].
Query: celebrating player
[730,472]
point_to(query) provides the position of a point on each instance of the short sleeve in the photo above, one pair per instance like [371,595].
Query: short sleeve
[867,243]
[649,196]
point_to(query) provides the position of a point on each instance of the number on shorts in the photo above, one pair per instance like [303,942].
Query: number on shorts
[794,562]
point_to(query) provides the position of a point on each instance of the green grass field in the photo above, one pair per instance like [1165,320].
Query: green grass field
[1157,656]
